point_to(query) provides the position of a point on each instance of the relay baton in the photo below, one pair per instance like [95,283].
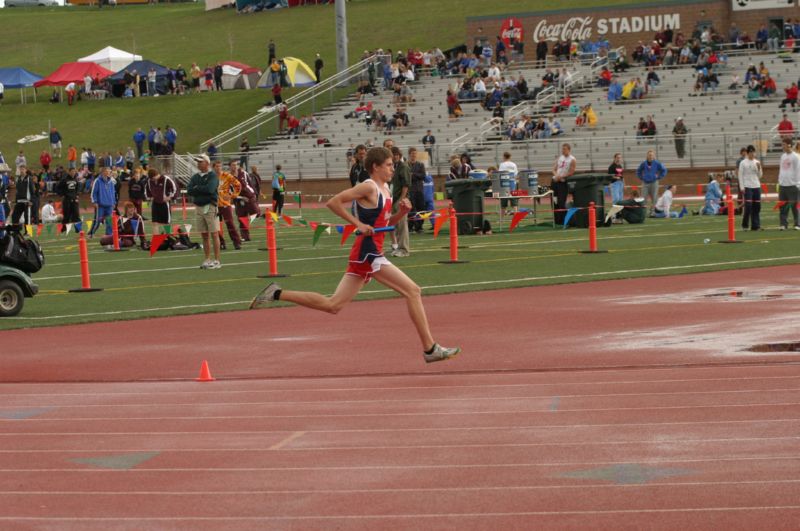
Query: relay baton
[389,228]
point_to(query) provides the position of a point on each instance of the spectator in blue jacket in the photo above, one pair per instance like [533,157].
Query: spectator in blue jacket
[171,136]
[104,198]
[138,139]
[151,139]
[650,172]
[713,198]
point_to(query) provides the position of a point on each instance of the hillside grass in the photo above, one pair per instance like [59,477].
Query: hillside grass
[40,39]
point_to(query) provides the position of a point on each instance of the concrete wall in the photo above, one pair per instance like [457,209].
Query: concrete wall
[625,25]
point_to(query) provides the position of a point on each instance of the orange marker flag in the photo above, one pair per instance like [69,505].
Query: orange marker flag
[156,242]
[437,225]
[288,220]
[518,216]
[778,205]
[347,230]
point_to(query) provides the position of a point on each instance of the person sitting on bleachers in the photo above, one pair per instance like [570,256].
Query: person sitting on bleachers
[768,86]
[614,90]
[711,82]
[493,73]
[554,126]
[465,90]
[563,105]
[791,96]
[479,89]
[495,97]
[621,63]
[604,79]
[632,90]
[311,127]
[652,80]
[786,129]
[670,56]
[641,128]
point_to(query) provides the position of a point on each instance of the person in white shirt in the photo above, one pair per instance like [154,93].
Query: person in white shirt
[750,173]
[2,92]
[49,214]
[480,89]
[564,167]
[664,204]
[19,163]
[509,166]
[87,85]
[494,72]
[789,180]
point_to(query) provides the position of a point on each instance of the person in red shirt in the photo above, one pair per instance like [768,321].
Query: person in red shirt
[294,125]
[786,128]
[791,96]
[45,159]
[276,94]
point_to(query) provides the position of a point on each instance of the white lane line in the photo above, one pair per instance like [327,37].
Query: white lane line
[604,486]
[327,402]
[172,450]
[396,430]
[120,312]
[470,466]
[287,440]
[425,516]
[420,387]
[544,409]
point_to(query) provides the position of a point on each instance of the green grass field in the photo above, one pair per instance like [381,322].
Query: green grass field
[40,39]
[170,283]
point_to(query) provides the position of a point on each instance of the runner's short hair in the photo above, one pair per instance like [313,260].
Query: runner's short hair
[375,157]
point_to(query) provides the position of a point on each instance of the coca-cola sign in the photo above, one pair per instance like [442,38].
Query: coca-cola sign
[583,28]
[511,30]
[574,29]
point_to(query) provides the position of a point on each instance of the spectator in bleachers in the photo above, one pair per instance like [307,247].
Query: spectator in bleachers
[791,96]
[563,104]
[554,126]
[614,90]
[768,86]
[685,56]
[621,63]
[786,129]
[604,79]
[774,38]
[679,132]
[541,53]
[652,79]
[761,37]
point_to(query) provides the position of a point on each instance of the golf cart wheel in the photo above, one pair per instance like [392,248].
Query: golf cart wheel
[465,226]
[11,298]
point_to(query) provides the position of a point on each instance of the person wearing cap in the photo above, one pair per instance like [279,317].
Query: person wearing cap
[204,189]
[749,174]
[679,132]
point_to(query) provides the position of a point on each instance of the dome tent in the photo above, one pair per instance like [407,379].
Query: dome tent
[239,76]
[141,67]
[297,72]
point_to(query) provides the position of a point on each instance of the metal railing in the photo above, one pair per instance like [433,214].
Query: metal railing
[324,89]
[594,153]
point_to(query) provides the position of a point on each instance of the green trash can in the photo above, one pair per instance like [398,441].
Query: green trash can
[467,197]
[585,188]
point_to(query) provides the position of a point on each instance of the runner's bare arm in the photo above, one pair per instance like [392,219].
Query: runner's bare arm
[404,207]
[339,204]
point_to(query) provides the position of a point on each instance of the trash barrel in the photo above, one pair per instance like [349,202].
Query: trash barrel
[467,197]
[529,181]
[586,188]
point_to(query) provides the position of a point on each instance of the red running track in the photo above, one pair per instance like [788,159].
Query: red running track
[676,427]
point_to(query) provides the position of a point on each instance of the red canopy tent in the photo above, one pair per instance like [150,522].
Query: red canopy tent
[73,72]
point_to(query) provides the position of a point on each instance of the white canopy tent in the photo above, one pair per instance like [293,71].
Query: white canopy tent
[111,58]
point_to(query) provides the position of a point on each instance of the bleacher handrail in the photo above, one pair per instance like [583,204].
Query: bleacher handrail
[302,97]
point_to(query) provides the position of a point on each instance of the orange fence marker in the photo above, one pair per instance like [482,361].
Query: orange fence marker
[453,239]
[86,284]
[272,248]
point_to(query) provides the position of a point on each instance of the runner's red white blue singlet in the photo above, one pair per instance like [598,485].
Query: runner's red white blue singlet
[369,247]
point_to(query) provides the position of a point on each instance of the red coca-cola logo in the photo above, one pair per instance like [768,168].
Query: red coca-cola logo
[511,29]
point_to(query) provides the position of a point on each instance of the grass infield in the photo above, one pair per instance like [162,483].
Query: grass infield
[137,286]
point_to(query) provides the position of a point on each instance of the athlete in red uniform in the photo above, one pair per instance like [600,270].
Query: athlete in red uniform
[373,207]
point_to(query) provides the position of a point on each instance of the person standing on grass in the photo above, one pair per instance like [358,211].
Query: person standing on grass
[373,207]
[563,168]
[204,189]
[618,183]
[650,172]
[69,189]
[789,181]
[401,183]
[750,173]
[136,190]
[278,189]
[228,191]
[160,190]
[104,198]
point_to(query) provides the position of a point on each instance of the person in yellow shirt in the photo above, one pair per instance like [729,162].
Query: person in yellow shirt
[591,116]
[229,189]
[627,89]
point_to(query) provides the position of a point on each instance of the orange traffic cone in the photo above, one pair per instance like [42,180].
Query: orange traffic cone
[205,373]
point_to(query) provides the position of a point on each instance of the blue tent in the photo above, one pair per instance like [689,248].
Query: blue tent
[142,68]
[16,77]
